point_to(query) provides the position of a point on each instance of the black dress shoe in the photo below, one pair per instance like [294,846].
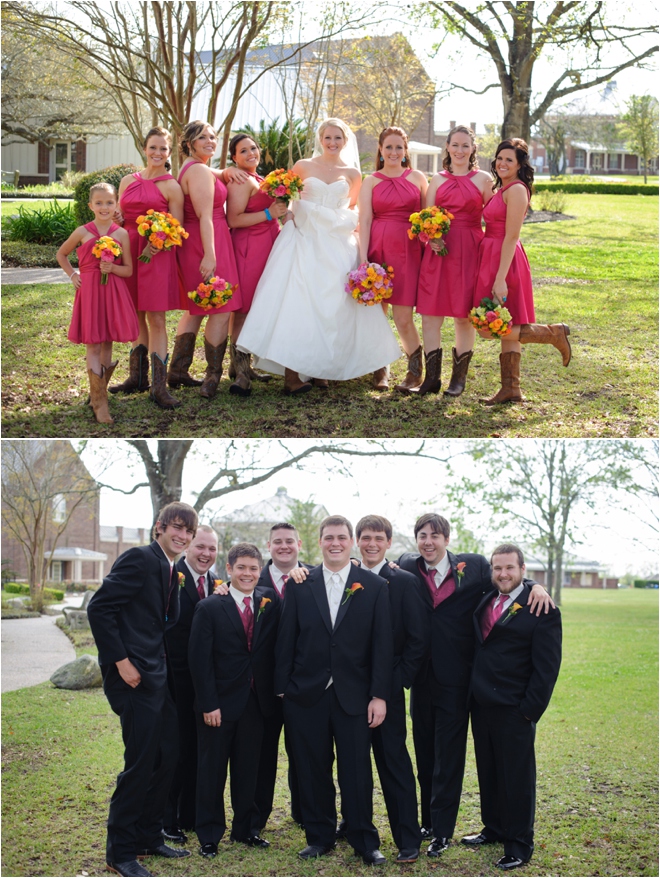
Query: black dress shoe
[131,868]
[509,862]
[477,839]
[341,830]
[427,833]
[162,850]
[314,850]
[253,841]
[175,835]
[209,850]
[437,846]
[373,858]
[407,855]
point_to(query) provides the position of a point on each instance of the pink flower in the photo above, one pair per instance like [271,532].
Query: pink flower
[281,190]
[219,284]
[161,235]
[490,316]
[423,237]
[107,256]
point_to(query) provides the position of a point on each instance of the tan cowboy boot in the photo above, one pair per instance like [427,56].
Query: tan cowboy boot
[459,372]
[380,380]
[159,392]
[214,357]
[431,383]
[182,357]
[555,334]
[138,372]
[106,372]
[510,374]
[293,384]
[242,386]
[321,383]
[99,397]
[413,380]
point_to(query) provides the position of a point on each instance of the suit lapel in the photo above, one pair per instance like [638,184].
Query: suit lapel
[165,572]
[316,582]
[258,621]
[230,607]
[190,584]
[421,566]
[453,561]
[506,618]
[478,613]
[346,601]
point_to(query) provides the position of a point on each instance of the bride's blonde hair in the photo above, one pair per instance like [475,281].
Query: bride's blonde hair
[333,123]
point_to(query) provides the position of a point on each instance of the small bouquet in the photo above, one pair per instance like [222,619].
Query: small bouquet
[106,249]
[282,184]
[371,283]
[213,294]
[162,230]
[430,223]
[490,317]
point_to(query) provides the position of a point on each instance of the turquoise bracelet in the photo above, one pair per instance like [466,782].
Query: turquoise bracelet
[268,216]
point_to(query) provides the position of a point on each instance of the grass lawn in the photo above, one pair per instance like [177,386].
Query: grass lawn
[9,208]
[598,273]
[596,748]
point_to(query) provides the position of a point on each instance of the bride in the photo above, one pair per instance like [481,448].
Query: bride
[302,320]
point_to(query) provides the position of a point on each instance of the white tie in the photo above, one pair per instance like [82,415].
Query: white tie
[335,596]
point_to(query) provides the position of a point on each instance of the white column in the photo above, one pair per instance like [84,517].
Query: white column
[77,570]
[435,162]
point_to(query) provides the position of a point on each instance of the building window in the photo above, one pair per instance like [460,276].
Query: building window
[65,158]
[59,508]
[613,161]
[580,157]
[56,571]
[597,161]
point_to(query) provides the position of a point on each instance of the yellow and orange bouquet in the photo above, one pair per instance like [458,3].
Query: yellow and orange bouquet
[106,249]
[282,184]
[162,231]
[371,283]
[490,319]
[213,294]
[430,223]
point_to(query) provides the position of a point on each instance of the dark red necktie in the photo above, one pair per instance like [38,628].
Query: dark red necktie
[201,591]
[284,581]
[491,614]
[248,621]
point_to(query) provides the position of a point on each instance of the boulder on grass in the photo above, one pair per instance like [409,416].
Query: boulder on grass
[16,603]
[76,619]
[83,673]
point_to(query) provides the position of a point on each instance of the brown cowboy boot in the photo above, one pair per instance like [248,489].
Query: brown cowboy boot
[253,375]
[99,397]
[182,357]
[293,384]
[242,386]
[413,380]
[138,372]
[159,392]
[214,357]
[510,373]
[555,334]
[431,383]
[459,370]
[321,383]
[106,372]
[380,380]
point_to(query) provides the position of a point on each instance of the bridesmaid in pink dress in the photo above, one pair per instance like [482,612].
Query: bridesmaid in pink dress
[446,283]
[208,252]
[386,200]
[252,216]
[503,272]
[154,284]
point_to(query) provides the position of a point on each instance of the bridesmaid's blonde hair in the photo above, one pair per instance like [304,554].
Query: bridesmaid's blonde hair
[446,159]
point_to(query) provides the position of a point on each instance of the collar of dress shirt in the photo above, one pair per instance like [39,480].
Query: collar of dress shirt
[375,569]
[238,597]
[510,598]
[442,566]
[195,575]
[343,574]
[169,561]
[277,575]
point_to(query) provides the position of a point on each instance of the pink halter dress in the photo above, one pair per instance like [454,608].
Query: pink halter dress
[252,246]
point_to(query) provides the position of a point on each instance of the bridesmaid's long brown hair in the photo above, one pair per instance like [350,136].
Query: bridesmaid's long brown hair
[525,171]
[446,159]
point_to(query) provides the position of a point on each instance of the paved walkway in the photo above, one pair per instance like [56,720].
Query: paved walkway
[32,649]
[34,276]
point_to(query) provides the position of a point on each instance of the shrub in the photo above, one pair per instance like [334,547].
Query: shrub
[70,179]
[53,594]
[51,224]
[20,254]
[17,588]
[600,188]
[43,190]
[550,199]
[273,141]
[111,175]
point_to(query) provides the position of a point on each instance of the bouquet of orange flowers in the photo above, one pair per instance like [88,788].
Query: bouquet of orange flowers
[106,249]
[490,317]
[282,184]
[213,294]
[371,283]
[430,223]
[162,231]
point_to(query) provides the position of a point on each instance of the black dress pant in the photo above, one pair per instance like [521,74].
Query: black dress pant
[506,766]
[270,747]
[234,743]
[396,774]
[180,810]
[423,724]
[313,730]
[451,718]
[149,732]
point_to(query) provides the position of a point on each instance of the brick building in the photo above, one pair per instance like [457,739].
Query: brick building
[578,573]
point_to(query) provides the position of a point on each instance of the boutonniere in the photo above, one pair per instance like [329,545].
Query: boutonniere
[216,585]
[460,571]
[349,592]
[182,579]
[262,606]
[513,609]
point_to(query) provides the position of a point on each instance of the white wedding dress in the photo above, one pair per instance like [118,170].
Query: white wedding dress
[301,317]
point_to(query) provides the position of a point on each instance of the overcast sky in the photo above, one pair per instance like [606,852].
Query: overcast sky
[398,488]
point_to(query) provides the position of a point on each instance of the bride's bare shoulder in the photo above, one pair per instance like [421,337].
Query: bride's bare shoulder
[351,174]
[303,166]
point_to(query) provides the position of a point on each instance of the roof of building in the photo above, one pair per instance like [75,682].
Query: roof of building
[75,553]
[271,510]
[571,565]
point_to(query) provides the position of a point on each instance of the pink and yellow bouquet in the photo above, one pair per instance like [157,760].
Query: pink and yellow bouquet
[371,283]
[162,230]
[106,249]
[282,184]
[214,294]
[490,319]
[430,223]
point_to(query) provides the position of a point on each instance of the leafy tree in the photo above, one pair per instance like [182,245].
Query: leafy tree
[591,37]
[306,517]
[488,142]
[280,147]
[640,125]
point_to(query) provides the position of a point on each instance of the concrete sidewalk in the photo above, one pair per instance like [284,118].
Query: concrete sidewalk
[32,649]
[33,276]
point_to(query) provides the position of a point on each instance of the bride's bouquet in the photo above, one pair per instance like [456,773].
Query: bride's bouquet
[490,319]
[371,283]
[430,223]
[282,184]
[214,294]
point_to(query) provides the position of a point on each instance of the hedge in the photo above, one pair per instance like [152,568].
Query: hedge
[20,254]
[53,594]
[112,175]
[45,192]
[600,188]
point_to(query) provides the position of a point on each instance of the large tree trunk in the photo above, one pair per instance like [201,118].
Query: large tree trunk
[516,115]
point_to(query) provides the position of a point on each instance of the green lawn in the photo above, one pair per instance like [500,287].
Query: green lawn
[597,754]
[598,273]
[9,208]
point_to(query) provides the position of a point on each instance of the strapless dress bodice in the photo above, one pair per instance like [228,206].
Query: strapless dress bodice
[334,195]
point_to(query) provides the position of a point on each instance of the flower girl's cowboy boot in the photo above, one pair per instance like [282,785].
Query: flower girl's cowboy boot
[182,357]
[413,380]
[555,334]
[99,397]
[510,376]
[138,372]
[431,383]
[159,392]
[242,386]
[459,370]
[214,357]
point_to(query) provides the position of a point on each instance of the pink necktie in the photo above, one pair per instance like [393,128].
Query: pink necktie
[248,621]
[491,614]
[201,591]
[284,581]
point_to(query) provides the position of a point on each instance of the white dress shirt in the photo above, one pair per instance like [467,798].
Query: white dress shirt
[277,576]
[510,598]
[195,575]
[169,560]
[238,596]
[335,585]
[441,569]
[375,569]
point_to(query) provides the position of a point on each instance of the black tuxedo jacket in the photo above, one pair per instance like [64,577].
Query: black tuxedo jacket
[518,663]
[222,667]
[265,579]
[127,614]
[178,637]
[410,624]
[356,652]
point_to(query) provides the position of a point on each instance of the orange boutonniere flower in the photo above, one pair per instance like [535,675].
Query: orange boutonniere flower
[262,606]
[182,579]
[216,584]
[460,571]
[513,609]
[349,592]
